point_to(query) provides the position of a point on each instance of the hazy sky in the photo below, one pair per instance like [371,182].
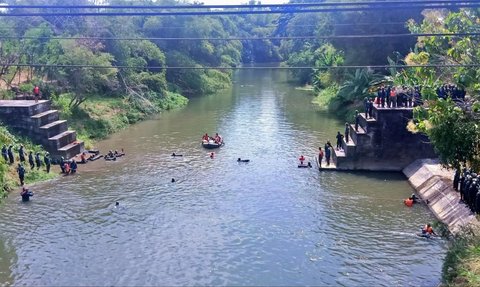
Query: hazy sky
[232,2]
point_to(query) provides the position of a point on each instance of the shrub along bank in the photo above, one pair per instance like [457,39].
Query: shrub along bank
[101,116]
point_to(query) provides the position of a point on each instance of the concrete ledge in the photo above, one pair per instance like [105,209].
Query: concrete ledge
[434,185]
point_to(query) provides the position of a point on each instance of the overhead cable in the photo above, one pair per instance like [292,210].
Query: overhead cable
[246,38]
[240,6]
[242,12]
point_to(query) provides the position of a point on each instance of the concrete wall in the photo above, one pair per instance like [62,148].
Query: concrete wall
[434,185]
[387,145]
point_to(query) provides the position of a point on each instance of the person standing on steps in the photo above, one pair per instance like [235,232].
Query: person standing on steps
[383,96]
[365,105]
[339,140]
[357,120]
[30,160]
[5,153]
[47,161]
[327,154]
[393,97]
[21,173]
[38,161]
[11,158]
[370,108]
[21,153]
[387,95]
[347,131]
[36,93]
[320,156]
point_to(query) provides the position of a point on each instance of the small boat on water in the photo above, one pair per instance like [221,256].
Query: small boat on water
[211,144]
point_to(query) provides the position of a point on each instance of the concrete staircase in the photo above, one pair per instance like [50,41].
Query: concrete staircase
[42,124]
[382,143]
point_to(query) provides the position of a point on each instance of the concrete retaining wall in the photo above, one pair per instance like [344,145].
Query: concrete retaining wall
[434,185]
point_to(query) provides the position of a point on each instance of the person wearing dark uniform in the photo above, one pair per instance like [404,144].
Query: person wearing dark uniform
[365,105]
[47,161]
[11,158]
[477,202]
[26,194]
[472,193]
[73,166]
[320,156]
[30,160]
[357,120]
[382,97]
[347,131]
[21,173]
[21,154]
[456,179]
[339,140]
[5,153]
[370,108]
[387,95]
[327,154]
[38,161]
[62,164]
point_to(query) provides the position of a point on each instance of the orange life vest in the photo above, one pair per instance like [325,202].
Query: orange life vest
[408,202]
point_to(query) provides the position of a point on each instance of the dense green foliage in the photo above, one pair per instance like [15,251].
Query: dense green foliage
[452,127]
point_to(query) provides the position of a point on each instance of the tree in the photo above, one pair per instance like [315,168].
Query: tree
[85,81]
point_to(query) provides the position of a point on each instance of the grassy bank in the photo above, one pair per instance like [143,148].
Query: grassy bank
[462,262]
[327,99]
[101,116]
[8,173]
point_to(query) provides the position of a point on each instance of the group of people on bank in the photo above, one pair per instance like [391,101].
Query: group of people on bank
[34,160]
[467,183]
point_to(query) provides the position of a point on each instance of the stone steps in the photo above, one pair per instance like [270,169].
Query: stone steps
[62,139]
[359,137]
[44,118]
[39,122]
[349,147]
[54,128]
[71,149]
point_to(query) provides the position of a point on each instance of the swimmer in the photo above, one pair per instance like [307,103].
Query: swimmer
[174,154]
[173,180]
[117,204]
[212,155]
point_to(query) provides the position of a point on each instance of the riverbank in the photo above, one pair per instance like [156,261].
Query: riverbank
[100,117]
[434,185]
[8,173]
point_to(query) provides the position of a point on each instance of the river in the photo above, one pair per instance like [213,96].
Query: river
[266,222]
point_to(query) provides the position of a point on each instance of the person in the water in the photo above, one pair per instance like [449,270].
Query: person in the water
[173,180]
[26,194]
[117,204]
[428,230]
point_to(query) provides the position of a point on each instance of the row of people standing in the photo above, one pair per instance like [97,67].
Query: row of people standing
[33,159]
[400,96]
[451,91]
[467,183]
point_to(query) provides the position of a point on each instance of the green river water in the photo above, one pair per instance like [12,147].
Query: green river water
[222,223]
